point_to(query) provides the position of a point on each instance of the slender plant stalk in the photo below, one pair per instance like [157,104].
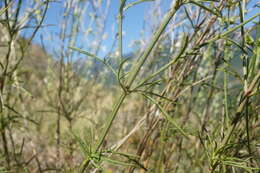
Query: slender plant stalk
[166,66]
[120,29]
[192,51]
[225,96]
[232,29]
[133,74]
[120,35]
[241,108]
[163,137]
[136,68]
[245,72]
[164,142]
[110,120]
[61,82]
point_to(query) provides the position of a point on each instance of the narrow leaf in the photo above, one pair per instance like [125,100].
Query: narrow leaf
[167,116]
[96,57]
[135,3]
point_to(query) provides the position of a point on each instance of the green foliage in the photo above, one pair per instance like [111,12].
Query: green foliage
[187,100]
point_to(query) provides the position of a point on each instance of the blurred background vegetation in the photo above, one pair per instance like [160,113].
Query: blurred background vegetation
[182,97]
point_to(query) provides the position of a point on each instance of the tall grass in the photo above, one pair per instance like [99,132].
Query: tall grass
[187,101]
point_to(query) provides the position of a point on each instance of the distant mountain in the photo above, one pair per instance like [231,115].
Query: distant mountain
[32,63]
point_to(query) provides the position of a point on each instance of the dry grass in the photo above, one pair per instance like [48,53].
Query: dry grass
[185,102]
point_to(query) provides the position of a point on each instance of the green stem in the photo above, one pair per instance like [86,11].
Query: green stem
[226,93]
[107,128]
[168,117]
[180,55]
[136,68]
[232,29]
[120,34]
[133,74]
[241,108]
[120,28]
[110,120]
[134,71]
[183,50]
[245,71]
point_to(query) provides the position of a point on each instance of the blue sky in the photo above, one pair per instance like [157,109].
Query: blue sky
[133,22]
